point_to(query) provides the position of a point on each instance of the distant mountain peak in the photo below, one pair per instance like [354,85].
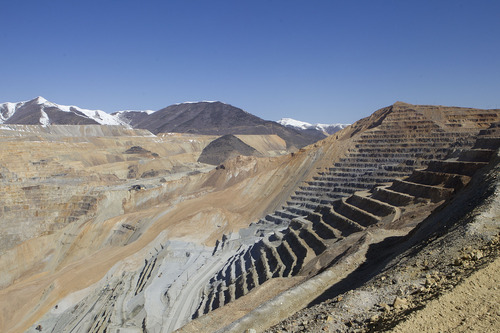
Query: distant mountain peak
[217,118]
[202,117]
[40,100]
[305,126]
[188,102]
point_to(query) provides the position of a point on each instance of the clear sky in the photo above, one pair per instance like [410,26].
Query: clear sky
[316,61]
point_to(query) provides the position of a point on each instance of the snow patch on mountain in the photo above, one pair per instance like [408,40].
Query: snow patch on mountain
[44,119]
[302,125]
[99,116]
[41,100]
[7,110]
[196,102]
[148,112]
[132,117]
[294,123]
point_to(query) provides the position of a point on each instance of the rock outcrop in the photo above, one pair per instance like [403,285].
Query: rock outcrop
[224,148]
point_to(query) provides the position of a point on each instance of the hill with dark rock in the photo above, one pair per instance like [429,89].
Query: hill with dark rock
[216,118]
[224,148]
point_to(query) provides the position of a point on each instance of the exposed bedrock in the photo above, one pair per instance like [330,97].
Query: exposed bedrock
[298,249]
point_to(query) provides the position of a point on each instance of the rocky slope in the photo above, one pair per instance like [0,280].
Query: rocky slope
[437,278]
[133,257]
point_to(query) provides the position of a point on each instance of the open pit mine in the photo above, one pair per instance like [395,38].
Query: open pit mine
[107,228]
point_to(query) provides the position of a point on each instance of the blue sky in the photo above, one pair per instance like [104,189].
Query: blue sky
[317,61]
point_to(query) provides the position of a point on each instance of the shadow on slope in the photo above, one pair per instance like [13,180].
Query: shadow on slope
[449,221]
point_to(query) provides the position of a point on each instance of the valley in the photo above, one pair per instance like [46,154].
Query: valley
[109,228]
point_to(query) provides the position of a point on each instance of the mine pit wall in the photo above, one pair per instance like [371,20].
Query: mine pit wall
[210,265]
[56,223]
[467,223]
[153,294]
[77,131]
[282,306]
[332,148]
[44,210]
[289,250]
[386,146]
[49,195]
[84,219]
[108,226]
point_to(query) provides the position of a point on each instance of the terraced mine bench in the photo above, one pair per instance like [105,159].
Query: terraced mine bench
[405,140]
[291,252]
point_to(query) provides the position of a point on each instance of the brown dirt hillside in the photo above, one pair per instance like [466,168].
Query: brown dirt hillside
[126,219]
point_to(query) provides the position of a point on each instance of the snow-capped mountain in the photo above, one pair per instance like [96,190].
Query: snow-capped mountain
[132,117]
[40,111]
[302,125]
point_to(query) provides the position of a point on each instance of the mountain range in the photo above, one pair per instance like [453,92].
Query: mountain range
[304,126]
[210,118]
